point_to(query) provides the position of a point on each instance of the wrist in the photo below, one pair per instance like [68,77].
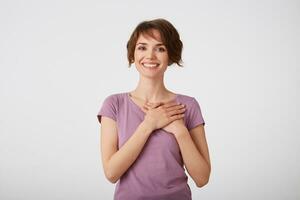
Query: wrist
[181,132]
[146,128]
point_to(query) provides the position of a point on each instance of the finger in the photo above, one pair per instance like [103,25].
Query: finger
[145,109]
[158,104]
[155,105]
[170,104]
[148,106]
[175,117]
[176,112]
[175,107]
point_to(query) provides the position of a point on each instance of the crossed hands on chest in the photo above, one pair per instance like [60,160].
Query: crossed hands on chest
[167,116]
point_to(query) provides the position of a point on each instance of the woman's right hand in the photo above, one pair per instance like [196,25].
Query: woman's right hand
[159,115]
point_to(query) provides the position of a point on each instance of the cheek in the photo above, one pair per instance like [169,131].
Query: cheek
[137,55]
[164,57]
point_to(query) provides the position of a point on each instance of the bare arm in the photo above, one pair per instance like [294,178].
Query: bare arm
[194,150]
[116,162]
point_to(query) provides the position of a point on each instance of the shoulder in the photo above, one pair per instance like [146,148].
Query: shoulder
[193,111]
[116,97]
[110,105]
[186,99]
[190,102]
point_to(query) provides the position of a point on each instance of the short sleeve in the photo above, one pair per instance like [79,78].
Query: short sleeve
[108,108]
[195,115]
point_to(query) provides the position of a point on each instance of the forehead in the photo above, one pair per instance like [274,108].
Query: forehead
[150,35]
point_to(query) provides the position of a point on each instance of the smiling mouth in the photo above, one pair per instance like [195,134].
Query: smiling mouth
[150,65]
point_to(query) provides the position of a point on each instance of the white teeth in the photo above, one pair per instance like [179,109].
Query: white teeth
[150,65]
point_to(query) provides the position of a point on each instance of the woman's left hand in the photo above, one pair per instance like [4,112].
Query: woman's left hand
[173,127]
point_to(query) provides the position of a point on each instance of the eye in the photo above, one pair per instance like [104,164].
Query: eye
[141,48]
[161,49]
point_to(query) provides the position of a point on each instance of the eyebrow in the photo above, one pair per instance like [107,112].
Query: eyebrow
[159,44]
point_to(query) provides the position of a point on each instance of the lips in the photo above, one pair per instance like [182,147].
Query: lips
[150,65]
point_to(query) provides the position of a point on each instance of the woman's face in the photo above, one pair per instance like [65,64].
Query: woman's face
[150,55]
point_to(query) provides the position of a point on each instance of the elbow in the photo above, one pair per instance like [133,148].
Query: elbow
[202,183]
[110,174]
[111,178]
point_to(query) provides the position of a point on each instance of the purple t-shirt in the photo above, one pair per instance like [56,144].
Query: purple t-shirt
[158,172]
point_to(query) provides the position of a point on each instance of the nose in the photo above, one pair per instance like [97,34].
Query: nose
[150,54]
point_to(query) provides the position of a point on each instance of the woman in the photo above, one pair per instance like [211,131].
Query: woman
[149,134]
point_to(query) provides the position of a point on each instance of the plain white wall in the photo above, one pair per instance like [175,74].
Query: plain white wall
[60,59]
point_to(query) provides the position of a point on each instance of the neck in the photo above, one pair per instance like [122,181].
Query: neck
[150,90]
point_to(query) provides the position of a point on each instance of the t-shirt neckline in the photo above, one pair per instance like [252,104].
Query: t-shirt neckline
[138,107]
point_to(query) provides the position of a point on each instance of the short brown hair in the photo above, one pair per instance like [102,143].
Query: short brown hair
[169,36]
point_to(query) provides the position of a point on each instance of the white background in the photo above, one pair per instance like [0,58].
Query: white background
[60,59]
